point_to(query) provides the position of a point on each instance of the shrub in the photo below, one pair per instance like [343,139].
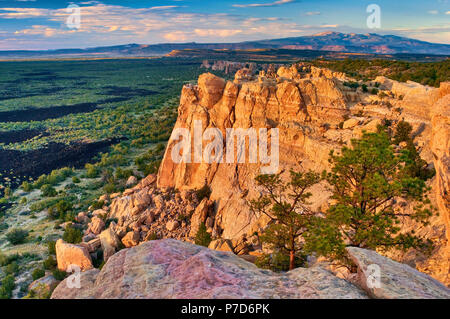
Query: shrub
[48,191]
[51,245]
[17,236]
[75,180]
[12,268]
[110,188]
[59,274]
[72,235]
[50,263]
[26,187]
[202,238]
[91,171]
[98,204]
[38,273]
[7,286]
[152,236]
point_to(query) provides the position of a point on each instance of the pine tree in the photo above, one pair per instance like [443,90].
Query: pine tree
[366,181]
[284,203]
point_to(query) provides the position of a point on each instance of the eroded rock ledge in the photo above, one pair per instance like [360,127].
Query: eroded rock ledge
[173,269]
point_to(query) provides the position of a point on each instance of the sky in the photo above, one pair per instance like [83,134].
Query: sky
[42,24]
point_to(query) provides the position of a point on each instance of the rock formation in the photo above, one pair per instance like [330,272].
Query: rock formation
[315,111]
[169,269]
[396,280]
[68,255]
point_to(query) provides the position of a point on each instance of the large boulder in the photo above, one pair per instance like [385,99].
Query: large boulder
[199,216]
[68,255]
[172,269]
[131,239]
[396,280]
[110,242]
[96,225]
[43,287]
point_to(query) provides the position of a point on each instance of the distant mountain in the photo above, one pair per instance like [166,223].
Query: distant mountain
[359,43]
[327,41]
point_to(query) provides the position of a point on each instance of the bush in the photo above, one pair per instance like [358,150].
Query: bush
[75,180]
[110,188]
[7,286]
[38,273]
[202,238]
[91,171]
[59,274]
[152,236]
[51,245]
[12,268]
[26,187]
[50,263]
[48,191]
[17,236]
[72,235]
[98,205]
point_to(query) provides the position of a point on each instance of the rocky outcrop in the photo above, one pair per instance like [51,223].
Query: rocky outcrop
[43,287]
[68,255]
[172,269]
[386,279]
[168,269]
[440,146]
[315,111]
[288,106]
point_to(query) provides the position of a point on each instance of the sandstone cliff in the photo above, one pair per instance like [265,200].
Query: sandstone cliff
[315,111]
[307,104]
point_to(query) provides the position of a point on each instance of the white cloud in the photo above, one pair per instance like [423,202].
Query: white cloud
[269,4]
[313,13]
[433,12]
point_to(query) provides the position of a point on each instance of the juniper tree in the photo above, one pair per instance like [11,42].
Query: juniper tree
[202,237]
[367,179]
[284,203]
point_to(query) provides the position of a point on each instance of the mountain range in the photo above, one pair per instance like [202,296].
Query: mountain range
[327,41]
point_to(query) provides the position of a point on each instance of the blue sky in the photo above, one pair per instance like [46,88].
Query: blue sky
[41,24]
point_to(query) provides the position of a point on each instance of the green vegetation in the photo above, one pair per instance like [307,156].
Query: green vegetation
[427,73]
[17,236]
[202,237]
[285,204]
[131,103]
[38,273]
[279,262]
[72,235]
[366,180]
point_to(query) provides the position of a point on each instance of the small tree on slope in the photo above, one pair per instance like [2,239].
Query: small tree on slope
[284,203]
[366,181]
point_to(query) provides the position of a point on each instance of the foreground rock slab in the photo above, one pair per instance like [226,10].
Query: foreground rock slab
[172,269]
[398,281]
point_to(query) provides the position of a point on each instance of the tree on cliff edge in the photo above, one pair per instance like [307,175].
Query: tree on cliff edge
[367,180]
[284,203]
